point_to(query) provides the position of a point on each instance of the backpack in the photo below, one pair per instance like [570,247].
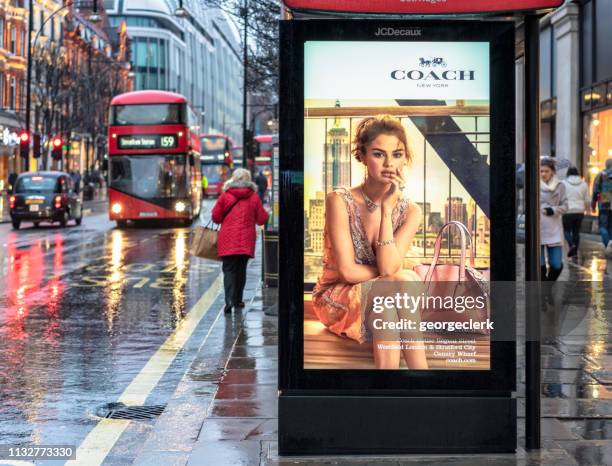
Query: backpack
[605,188]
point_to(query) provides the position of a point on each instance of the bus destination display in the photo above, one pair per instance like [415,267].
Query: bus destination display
[148,141]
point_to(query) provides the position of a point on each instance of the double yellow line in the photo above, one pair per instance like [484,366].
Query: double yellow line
[100,441]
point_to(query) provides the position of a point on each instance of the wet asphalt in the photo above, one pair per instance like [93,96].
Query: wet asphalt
[82,309]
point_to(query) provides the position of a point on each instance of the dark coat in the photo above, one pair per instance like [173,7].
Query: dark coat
[238,234]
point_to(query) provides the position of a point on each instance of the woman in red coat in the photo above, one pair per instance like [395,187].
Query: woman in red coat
[237,210]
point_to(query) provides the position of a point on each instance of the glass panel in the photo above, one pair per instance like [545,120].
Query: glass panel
[140,47]
[545,63]
[602,31]
[586,52]
[213,145]
[152,59]
[35,184]
[598,142]
[215,173]
[155,114]
[150,176]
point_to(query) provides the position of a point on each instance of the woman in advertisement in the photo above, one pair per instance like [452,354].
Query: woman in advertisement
[368,230]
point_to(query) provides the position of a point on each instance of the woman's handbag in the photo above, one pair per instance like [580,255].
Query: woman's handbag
[467,287]
[204,243]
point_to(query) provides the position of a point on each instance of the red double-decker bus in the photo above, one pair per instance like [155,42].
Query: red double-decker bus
[217,161]
[263,156]
[154,152]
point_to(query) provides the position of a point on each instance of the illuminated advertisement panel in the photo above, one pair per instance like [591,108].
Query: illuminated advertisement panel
[396,205]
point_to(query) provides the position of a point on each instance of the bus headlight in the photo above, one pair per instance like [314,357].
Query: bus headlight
[180,206]
[116,208]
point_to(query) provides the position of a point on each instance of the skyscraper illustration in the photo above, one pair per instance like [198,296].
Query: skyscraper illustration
[337,156]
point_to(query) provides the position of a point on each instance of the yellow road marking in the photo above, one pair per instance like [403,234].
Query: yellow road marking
[105,434]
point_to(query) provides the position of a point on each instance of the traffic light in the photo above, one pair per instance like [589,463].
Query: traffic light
[36,145]
[56,145]
[24,144]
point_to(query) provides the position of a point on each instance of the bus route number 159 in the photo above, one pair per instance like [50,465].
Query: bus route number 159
[168,141]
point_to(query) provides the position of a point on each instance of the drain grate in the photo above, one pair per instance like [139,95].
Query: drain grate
[136,413]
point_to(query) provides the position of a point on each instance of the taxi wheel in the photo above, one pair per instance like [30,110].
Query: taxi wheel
[64,219]
[16,224]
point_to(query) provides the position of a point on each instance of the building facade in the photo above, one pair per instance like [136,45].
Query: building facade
[198,56]
[576,84]
[13,51]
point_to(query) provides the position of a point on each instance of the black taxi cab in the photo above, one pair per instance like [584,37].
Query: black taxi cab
[45,196]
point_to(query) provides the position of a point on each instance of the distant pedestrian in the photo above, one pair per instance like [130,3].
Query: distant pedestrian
[76,179]
[262,185]
[12,178]
[204,184]
[553,204]
[578,200]
[237,210]
[602,199]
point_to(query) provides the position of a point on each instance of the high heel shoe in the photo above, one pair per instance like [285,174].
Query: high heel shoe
[227,309]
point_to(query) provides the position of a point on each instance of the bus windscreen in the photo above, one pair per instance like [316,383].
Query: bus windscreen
[213,145]
[150,176]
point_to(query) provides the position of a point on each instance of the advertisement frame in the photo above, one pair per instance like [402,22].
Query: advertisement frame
[293,379]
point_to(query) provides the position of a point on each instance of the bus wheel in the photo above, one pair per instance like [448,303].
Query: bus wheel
[121,223]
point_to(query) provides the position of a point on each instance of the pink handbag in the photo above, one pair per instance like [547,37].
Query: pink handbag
[455,281]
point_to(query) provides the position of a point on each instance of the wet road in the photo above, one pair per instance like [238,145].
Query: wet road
[82,310]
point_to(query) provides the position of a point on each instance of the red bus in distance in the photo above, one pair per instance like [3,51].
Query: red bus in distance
[420,7]
[154,155]
[217,161]
[263,157]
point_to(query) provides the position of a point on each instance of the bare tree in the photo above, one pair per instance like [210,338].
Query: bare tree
[262,28]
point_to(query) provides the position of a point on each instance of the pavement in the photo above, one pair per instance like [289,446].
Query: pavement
[118,296]
[235,421]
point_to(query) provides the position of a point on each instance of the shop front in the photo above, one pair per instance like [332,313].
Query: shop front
[9,157]
[597,128]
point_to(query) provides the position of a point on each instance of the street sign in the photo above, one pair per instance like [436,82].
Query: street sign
[438,98]
[428,7]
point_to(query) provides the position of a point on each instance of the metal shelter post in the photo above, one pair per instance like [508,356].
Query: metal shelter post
[532,231]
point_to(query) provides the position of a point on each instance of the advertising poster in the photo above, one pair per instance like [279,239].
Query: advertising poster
[396,205]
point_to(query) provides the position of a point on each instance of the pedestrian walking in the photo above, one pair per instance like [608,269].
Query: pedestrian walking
[553,204]
[262,185]
[76,179]
[578,200]
[602,199]
[237,210]
[12,178]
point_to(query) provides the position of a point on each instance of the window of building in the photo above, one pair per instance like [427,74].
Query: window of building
[597,142]
[586,36]
[23,44]
[2,103]
[1,33]
[13,40]
[603,57]
[12,93]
